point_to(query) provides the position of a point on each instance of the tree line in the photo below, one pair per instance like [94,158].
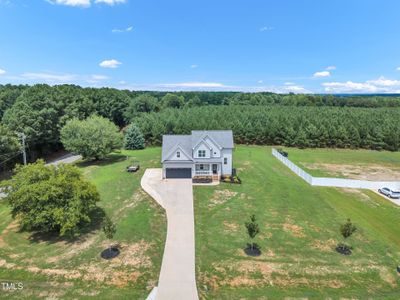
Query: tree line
[41,111]
[344,127]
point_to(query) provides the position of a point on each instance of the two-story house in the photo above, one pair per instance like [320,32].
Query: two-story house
[203,153]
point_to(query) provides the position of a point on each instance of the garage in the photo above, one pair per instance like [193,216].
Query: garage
[178,173]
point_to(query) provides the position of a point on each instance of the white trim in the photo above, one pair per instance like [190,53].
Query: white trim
[202,141]
[212,140]
[174,151]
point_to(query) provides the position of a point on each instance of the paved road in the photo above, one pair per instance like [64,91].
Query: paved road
[65,159]
[177,277]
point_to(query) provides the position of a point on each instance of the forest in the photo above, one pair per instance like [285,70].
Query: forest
[40,111]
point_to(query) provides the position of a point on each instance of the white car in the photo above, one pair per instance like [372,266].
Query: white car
[389,193]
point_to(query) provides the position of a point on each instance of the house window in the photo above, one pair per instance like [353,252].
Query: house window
[178,154]
[202,167]
[202,153]
[225,160]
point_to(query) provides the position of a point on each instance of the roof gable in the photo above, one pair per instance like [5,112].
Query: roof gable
[176,149]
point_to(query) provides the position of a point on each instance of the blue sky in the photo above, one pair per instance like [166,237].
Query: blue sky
[341,46]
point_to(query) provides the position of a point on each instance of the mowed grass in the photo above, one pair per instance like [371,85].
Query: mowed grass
[299,230]
[305,158]
[56,268]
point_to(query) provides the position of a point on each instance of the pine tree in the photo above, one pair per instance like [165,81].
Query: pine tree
[133,138]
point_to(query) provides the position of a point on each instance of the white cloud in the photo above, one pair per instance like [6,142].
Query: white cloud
[380,85]
[99,77]
[260,81]
[295,89]
[195,85]
[194,66]
[81,3]
[49,77]
[398,69]
[2,71]
[110,2]
[57,78]
[266,28]
[214,86]
[85,3]
[322,74]
[331,68]
[111,63]
[288,83]
[128,29]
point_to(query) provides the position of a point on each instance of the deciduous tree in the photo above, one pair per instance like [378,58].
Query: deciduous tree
[51,198]
[93,138]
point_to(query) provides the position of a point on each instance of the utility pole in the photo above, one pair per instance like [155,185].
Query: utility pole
[23,137]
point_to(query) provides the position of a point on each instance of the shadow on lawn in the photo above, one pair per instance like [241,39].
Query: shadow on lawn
[109,160]
[97,216]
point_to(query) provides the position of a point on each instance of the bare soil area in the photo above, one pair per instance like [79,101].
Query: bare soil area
[358,171]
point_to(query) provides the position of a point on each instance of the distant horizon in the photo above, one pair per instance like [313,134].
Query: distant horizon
[210,91]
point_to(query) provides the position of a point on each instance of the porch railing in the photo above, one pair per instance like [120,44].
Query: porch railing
[203,172]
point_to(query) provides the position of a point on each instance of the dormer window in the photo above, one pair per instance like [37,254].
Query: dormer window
[202,153]
[178,154]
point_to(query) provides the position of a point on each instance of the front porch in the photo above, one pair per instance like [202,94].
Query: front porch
[207,171]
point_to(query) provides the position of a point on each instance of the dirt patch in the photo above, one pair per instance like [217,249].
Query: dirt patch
[375,172]
[244,166]
[230,227]
[74,249]
[361,196]
[221,196]
[387,276]
[68,274]
[136,198]
[325,246]
[133,255]
[293,229]
[12,226]
[124,269]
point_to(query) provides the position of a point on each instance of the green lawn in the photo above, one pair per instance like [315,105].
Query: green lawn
[309,159]
[54,268]
[299,230]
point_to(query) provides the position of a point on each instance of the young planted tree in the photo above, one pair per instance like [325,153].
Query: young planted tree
[347,229]
[109,230]
[133,138]
[252,230]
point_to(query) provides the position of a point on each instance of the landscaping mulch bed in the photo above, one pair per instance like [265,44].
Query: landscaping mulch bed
[110,253]
[252,251]
[343,249]
[205,179]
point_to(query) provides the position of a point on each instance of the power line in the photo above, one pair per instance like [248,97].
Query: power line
[10,158]
[9,153]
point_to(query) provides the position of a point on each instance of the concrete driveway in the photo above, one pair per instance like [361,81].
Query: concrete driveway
[177,277]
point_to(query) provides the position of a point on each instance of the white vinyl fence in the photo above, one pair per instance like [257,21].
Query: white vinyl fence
[335,182]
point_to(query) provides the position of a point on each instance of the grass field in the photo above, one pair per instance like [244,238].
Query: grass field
[62,269]
[299,230]
[357,164]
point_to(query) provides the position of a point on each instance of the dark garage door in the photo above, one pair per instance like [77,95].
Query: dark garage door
[178,173]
